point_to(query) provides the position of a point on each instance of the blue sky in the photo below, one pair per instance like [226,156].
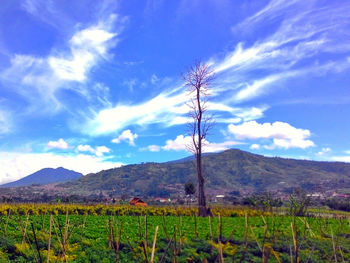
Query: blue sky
[91,85]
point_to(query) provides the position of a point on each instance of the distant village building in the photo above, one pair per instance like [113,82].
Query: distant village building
[137,202]
[338,195]
[162,200]
[316,195]
[219,198]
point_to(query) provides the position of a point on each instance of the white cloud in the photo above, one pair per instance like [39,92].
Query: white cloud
[345,158]
[127,136]
[153,148]
[218,147]
[283,134]
[253,113]
[324,151]
[15,165]
[255,146]
[86,47]
[254,130]
[292,143]
[180,120]
[98,151]
[179,144]
[60,144]
[85,148]
[183,143]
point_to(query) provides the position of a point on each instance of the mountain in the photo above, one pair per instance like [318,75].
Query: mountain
[46,176]
[227,171]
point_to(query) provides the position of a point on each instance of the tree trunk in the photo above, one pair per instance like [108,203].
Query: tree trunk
[202,204]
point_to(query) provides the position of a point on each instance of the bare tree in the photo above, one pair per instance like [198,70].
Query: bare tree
[198,80]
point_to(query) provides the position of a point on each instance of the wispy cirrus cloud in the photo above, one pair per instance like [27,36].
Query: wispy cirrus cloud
[53,13]
[86,46]
[5,122]
[65,68]
[293,50]
[249,71]
[49,13]
[167,109]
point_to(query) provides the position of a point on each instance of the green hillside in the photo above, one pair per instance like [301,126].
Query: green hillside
[226,171]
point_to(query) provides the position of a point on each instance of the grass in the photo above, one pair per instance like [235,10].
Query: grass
[103,238]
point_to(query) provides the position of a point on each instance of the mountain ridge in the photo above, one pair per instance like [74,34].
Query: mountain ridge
[226,171]
[45,176]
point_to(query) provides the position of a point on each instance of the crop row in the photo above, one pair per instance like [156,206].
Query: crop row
[91,238]
[120,210]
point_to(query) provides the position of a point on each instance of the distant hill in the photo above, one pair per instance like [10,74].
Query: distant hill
[46,176]
[230,170]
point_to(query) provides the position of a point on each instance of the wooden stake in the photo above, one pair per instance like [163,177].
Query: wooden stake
[7,222]
[245,237]
[210,228]
[195,225]
[154,244]
[25,229]
[36,244]
[221,255]
[60,239]
[166,249]
[295,243]
[49,243]
[220,228]
[175,248]
[333,245]
[110,235]
[146,232]
[164,228]
[83,227]
[180,232]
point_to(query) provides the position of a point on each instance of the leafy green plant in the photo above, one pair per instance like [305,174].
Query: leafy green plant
[299,202]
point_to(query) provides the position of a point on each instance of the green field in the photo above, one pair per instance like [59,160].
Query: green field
[79,238]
